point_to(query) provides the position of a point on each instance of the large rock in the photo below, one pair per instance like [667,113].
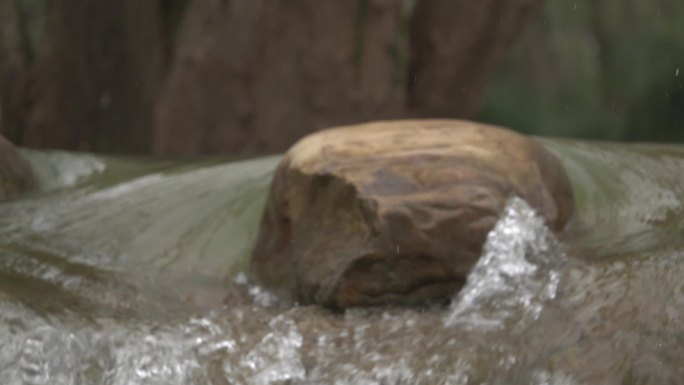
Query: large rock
[397,212]
[16,175]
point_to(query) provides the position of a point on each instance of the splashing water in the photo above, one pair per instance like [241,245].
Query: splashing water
[515,275]
[125,273]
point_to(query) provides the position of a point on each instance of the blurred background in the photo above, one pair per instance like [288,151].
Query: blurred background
[245,77]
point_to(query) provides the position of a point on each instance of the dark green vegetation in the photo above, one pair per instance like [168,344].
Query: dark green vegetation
[604,69]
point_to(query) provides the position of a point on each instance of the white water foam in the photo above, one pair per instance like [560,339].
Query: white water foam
[516,274]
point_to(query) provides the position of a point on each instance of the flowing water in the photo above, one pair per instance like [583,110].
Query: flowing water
[129,271]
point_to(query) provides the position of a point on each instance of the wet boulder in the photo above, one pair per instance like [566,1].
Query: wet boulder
[16,175]
[397,212]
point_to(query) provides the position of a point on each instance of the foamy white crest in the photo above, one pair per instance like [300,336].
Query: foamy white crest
[276,357]
[515,275]
[57,169]
[554,378]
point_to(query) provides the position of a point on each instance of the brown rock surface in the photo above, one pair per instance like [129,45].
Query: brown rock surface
[16,175]
[397,212]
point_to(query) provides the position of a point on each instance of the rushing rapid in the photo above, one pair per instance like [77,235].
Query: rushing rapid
[131,271]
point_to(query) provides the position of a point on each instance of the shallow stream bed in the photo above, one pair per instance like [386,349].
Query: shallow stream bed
[129,271]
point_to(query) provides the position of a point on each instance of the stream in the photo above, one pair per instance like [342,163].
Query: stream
[126,271]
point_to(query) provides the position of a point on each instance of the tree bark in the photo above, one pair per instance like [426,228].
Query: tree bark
[455,47]
[14,62]
[252,76]
[93,85]
[244,76]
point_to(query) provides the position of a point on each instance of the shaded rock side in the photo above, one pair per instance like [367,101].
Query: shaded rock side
[397,212]
[16,175]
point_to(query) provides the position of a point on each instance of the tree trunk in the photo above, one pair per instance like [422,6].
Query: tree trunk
[14,61]
[245,76]
[94,83]
[253,76]
[455,47]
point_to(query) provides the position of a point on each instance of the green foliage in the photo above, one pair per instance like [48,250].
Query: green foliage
[360,33]
[172,12]
[33,13]
[400,51]
[605,69]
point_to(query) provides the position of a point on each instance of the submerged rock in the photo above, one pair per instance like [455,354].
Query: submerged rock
[397,212]
[16,175]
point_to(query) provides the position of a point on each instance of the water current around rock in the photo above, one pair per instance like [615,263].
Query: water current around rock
[126,271]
